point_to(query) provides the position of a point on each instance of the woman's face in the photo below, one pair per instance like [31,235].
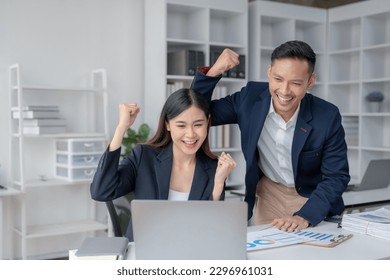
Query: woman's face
[188,130]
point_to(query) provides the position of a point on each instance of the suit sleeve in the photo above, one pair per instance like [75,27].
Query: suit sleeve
[113,180]
[224,110]
[326,199]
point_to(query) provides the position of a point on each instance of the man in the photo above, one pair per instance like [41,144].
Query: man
[293,142]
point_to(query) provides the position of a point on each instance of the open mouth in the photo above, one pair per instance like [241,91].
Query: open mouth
[283,99]
[190,143]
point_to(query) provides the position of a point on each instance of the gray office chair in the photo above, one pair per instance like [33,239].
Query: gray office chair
[120,215]
[116,226]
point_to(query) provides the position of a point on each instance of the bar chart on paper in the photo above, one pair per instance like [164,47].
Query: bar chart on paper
[273,237]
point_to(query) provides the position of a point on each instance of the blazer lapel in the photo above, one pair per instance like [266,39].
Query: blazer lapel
[257,118]
[163,168]
[201,179]
[301,133]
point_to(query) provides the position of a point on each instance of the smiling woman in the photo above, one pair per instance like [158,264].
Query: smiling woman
[175,164]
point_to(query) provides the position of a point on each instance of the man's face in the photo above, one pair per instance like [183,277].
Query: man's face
[289,80]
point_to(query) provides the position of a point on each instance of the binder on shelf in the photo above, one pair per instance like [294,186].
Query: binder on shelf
[172,87]
[38,130]
[184,62]
[233,73]
[213,58]
[241,67]
[103,248]
[44,122]
[36,114]
[36,108]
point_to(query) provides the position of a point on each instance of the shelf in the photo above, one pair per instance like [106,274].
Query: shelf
[376,29]
[376,63]
[51,182]
[345,34]
[344,66]
[56,89]
[85,111]
[376,149]
[221,25]
[61,135]
[228,150]
[61,229]
[186,22]
[217,44]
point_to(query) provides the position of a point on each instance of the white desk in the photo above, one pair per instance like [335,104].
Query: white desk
[3,194]
[364,199]
[355,199]
[359,247]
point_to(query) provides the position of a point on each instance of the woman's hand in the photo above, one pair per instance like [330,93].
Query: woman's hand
[127,114]
[226,164]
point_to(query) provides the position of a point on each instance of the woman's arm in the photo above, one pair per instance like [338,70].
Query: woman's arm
[127,115]
[225,166]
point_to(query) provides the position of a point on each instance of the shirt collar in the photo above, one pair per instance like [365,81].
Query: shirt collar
[290,122]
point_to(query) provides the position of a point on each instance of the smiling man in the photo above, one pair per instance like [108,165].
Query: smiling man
[293,142]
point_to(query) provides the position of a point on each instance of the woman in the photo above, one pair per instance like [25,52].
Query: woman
[175,164]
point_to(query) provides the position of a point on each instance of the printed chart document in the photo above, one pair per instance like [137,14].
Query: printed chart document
[375,223]
[273,238]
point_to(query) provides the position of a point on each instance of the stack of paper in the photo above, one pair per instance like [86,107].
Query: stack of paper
[40,119]
[375,223]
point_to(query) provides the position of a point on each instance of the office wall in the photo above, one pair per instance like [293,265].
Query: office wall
[59,42]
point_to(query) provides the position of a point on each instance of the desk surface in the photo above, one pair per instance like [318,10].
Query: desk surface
[364,197]
[359,247]
[8,191]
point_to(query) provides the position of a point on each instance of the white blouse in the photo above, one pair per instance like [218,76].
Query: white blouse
[175,195]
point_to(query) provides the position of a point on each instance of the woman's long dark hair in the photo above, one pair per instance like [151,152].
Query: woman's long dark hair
[178,102]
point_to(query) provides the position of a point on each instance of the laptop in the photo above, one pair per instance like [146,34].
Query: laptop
[189,230]
[377,176]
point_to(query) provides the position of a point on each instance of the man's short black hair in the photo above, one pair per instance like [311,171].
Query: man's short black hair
[295,49]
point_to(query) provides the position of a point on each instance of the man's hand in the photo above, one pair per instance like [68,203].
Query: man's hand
[226,61]
[290,223]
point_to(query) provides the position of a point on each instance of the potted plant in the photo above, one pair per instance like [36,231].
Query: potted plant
[133,137]
[130,139]
[375,99]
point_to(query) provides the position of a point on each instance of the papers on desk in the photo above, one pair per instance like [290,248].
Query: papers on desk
[273,237]
[375,223]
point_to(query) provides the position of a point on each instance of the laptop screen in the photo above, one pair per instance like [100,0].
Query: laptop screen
[186,230]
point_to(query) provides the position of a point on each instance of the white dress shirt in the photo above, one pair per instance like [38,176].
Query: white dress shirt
[175,195]
[275,145]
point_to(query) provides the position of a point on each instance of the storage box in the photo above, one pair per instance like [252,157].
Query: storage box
[75,173]
[77,158]
[81,145]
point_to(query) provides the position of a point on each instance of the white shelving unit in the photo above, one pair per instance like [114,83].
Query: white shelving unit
[271,24]
[352,43]
[52,215]
[206,26]
[359,63]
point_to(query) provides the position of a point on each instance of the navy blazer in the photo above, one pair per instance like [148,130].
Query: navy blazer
[319,150]
[146,172]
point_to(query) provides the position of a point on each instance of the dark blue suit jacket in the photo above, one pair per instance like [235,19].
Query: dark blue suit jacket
[146,172]
[319,151]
